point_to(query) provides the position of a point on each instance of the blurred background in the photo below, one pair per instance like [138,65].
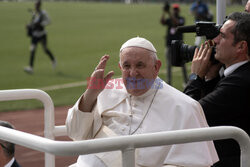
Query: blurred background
[79,34]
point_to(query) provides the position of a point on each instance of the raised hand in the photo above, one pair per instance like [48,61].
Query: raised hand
[98,81]
[96,84]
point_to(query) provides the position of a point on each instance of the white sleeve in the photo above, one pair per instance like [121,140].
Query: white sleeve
[197,154]
[79,124]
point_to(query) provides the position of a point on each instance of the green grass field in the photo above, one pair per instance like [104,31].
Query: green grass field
[80,33]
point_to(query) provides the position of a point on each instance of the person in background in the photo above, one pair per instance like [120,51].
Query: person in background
[172,21]
[36,30]
[200,11]
[224,99]
[139,102]
[7,150]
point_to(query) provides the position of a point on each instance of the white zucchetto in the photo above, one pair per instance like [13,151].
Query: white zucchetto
[139,42]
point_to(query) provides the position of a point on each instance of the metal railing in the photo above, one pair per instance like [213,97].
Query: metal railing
[126,144]
[50,130]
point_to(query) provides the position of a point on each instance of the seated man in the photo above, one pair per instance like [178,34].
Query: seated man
[225,99]
[7,150]
[139,102]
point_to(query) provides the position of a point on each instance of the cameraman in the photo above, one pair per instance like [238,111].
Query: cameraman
[172,22]
[225,100]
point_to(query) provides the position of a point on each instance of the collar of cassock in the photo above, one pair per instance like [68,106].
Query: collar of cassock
[116,96]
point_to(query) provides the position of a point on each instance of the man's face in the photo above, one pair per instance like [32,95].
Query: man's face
[139,69]
[225,50]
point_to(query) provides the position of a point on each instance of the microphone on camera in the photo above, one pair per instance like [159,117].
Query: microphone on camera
[191,28]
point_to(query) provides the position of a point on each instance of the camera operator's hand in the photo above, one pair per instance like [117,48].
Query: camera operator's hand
[202,65]
[213,71]
[201,61]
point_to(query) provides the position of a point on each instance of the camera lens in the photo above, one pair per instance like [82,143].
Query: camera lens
[187,52]
[182,53]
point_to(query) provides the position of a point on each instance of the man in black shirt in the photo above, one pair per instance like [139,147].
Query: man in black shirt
[225,100]
[172,22]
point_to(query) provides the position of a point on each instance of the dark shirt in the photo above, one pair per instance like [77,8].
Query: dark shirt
[226,102]
[171,33]
[15,164]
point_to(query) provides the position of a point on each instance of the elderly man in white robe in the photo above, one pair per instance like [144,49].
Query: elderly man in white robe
[139,102]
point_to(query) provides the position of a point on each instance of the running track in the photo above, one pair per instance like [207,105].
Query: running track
[32,121]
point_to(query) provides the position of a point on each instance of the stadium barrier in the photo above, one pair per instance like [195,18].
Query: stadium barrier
[50,130]
[127,144]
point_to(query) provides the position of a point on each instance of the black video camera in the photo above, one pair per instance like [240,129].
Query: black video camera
[182,53]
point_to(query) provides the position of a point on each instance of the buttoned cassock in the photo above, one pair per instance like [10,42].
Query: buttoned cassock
[126,115]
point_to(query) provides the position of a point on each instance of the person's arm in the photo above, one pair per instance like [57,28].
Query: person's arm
[199,88]
[195,88]
[175,21]
[164,18]
[166,11]
[96,84]
[203,68]
[225,97]
[80,117]
[79,124]
[202,65]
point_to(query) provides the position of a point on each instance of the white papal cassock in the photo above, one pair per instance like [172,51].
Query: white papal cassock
[161,108]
